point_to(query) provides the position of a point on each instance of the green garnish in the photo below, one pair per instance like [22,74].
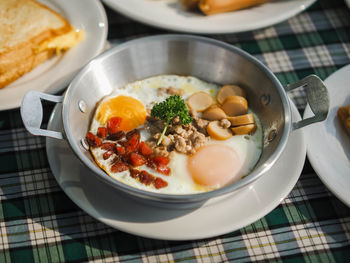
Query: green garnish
[169,109]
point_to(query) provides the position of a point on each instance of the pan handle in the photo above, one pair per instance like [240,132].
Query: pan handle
[32,113]
[317,97]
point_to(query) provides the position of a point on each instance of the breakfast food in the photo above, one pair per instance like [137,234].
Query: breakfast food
[156,134]
[343,114]
[30,34]
[209,7]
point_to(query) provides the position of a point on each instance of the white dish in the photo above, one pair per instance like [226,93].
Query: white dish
[219,216]
[347,3]
[328,145]
[54,74]
[169,14]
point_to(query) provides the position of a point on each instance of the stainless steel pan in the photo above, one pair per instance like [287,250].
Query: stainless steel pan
[207,59]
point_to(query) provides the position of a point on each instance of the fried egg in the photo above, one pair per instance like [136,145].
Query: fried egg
[214,165]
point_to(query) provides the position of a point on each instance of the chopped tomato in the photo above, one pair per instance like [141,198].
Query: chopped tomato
[113,125]
[119,167]
[160,183]
[102,132]
[133,143]
[108,146]
[163,169]
[120,150]
[137,159]
[161,160]
[145,149]
[93,140]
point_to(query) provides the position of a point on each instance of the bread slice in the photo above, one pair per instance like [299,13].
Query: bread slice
[343,114]
[27,27]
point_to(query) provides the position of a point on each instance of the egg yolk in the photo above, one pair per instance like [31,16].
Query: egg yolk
[214,165]
[131,110]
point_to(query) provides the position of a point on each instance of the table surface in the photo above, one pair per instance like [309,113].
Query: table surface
[39,223]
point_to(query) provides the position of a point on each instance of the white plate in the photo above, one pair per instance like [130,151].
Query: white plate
[169,14]
[54,74]
[219,216]
[328,145]
[348,3]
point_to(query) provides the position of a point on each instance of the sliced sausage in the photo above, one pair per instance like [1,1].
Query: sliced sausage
[216,131]
[199,101]
[213,114]
[210,7]
[229,90]
[244,129]
[242,119]
[235,105]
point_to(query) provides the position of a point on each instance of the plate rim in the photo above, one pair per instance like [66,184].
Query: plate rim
[165,236]
[115,5]
[61,81]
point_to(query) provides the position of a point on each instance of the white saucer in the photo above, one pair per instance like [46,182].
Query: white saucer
[169,14]
[55,74]
[328,145]
[225,215]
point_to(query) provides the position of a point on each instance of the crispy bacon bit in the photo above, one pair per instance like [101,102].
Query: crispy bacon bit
[132,133]
[102,132]
[93,140]
[131,152]
[145,149]
[113,125]
[119,167]
[150,163]
[116,136]
[123,143]
[134,173]
[161,160]
[159,183]
[137,159]
[163,169]
[108,146]
[107,154]
[146,178]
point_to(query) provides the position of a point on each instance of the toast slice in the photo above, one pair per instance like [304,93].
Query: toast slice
[30,34]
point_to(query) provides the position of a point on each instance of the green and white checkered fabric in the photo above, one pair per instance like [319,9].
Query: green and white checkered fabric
[39,223]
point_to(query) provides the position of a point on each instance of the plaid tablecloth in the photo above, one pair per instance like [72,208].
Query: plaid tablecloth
[39,223]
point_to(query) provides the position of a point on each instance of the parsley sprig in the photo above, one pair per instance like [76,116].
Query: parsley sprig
[169,109]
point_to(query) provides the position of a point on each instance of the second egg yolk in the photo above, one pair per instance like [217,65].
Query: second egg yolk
[214,165]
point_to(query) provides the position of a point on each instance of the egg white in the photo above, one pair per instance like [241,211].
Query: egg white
[248,147]
[146,91]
